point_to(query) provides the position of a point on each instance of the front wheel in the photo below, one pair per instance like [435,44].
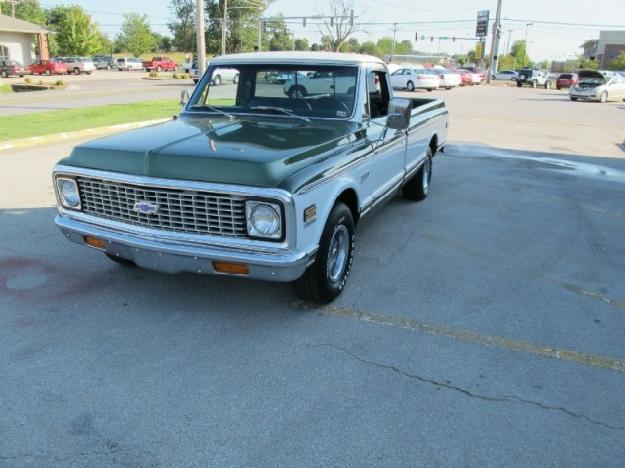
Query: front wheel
[418,187]
[76,71]
[410,86]
[217,80]
[4,74]
[519,84]
[534,84]
[604,97]
[325,279]
[297,92]
[573,98]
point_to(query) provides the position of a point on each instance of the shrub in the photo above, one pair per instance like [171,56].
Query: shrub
[175,76]
[28,79]
[153,74]
[59,82]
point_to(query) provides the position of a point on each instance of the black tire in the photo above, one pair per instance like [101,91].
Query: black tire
[519,84]
[195,80]
[217,80]
[573,98]
[76,71]
[297,92]
[4,74]
[120,260]
[316,284]
[558,87]
[410,86]
[418,187]
[604,97]
[430,90]
[547,84]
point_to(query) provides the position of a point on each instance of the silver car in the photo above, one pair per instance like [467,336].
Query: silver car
[598,85]
[78,65]
[128,64]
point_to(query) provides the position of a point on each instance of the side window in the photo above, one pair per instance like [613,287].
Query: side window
[377,92]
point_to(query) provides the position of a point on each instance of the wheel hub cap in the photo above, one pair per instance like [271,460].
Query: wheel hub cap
[337,257]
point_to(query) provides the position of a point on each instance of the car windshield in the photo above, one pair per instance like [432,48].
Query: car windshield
[285,90]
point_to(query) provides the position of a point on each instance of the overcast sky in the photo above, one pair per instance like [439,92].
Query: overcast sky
[545,41]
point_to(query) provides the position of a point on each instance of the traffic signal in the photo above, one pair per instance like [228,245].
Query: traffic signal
[454,39]
[431,38]
[416,36]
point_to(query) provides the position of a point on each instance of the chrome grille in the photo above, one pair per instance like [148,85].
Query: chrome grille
[195,212]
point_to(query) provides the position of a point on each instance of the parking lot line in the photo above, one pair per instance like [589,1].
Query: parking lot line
[490,341]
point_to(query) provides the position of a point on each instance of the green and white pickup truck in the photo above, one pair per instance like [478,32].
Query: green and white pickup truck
[263,179]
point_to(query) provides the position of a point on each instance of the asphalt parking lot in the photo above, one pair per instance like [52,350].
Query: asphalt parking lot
[484,326]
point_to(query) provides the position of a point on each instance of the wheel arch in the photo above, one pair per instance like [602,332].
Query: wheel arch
[350,198]
[434,143]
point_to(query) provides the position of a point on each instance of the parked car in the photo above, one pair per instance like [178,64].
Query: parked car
[47,67]
[11,68]
[599,86]
[128,64]
[566,80]
[479,72]
[465,76]
[225,75]
[103,62]
[160,64]
[78,65]
[194,72]
[266,187]
[533,78]
[414,78]
[476,78]
[509,75]
[446,78]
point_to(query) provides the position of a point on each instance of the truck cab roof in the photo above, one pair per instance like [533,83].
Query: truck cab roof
[317,58]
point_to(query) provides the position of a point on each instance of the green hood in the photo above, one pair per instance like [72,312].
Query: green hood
[243,151]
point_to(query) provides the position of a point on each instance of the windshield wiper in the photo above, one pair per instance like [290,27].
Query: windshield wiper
[280,109]
[214,109]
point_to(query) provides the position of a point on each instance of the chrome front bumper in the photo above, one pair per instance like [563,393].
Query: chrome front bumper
[169,256]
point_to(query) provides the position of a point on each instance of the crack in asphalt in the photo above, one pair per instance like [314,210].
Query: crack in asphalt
[498,399]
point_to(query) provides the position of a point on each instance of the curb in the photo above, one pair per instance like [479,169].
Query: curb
[68,136]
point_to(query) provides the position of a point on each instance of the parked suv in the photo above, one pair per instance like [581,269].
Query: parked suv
[128,64]
[533,78]
[566,80]
[78,65]
[103,62]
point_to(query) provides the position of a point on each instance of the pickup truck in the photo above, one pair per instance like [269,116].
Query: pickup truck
[252,181]
[160,64]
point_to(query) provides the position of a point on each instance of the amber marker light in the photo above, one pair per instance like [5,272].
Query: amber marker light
[95,242]
[231,268]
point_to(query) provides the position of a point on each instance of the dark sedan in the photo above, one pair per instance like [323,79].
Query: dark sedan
[11,68]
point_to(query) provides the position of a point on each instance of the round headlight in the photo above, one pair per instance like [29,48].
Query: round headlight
[265,220]
[69,192]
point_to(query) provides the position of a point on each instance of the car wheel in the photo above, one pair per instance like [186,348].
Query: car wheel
[447,88]
[4,74]
[217,80]
[410,86]
[573,98]
[235,80]
[195,80]
[430,90]
[159,69]
[547,84]
[128,68]
[603,97]
[519,84]
[297,92]
[76,71]
[418,187]
[88,73]
[47,72]
[324,280]
[120,260]
[534,84]
[108,67]
[558,87]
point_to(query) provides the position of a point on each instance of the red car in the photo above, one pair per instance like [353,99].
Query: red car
[465,76]
[47,67]
[566,80]
[160,64]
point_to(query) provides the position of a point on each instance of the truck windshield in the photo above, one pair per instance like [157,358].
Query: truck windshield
[308,91]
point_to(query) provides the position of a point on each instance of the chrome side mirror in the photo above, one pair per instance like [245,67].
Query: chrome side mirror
[184,98]
[399,111]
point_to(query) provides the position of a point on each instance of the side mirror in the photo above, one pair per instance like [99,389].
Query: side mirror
[399,111]
[184,98]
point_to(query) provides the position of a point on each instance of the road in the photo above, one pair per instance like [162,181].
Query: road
[483,326]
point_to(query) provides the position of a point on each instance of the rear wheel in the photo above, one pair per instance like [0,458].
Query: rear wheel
[418,187]
[76,71]
[519,84]
[324,280]
[4,74]
[217,80]
[159,69]
[573,98]
[410,86]
[547,84]
[603,97]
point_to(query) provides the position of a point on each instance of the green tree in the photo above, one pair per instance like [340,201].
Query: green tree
[301,44]
[351,45]
[518,51]
[507,62]
[183,27]
[243,19]
[619,62]
[589,64]
[341,26]
[369,48]
[76,33]
[27,10]
[136,36]
[403,48]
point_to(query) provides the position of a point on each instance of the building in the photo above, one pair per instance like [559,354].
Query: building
[590,49]
[22,41]
[611,43]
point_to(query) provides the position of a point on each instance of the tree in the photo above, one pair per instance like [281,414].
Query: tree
[341,26]
[315,47]
[76,33]
[518,51]
[619,62]
[136,36]
[369,48]
[27,10]
[301,44]
[243,19]
[589,64]
[183,28]
[404,47]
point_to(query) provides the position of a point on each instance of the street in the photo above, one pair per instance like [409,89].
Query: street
[483,326]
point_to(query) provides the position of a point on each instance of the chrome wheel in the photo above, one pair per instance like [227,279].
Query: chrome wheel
[427,174]
[337,257]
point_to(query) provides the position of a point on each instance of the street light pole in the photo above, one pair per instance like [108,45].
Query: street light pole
[494,47]
[394,32]
[527,25]
[201,45]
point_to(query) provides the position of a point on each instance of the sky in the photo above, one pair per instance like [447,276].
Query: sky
[545,41]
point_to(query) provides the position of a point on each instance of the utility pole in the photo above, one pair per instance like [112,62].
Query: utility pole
[494,47]
[13,7]
[224,24]
[525,48]
[509,31]
[293,38]
[260,35]
[394,32]
[201,45]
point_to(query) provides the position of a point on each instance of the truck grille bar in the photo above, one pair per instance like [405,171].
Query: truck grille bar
[196,212]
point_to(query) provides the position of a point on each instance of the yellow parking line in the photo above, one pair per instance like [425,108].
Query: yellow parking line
[491,341]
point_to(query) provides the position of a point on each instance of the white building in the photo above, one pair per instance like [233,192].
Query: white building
[22,41]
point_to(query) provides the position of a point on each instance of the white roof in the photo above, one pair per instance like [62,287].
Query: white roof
[318,58]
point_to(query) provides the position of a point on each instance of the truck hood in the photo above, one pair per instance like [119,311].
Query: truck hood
[244,151]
